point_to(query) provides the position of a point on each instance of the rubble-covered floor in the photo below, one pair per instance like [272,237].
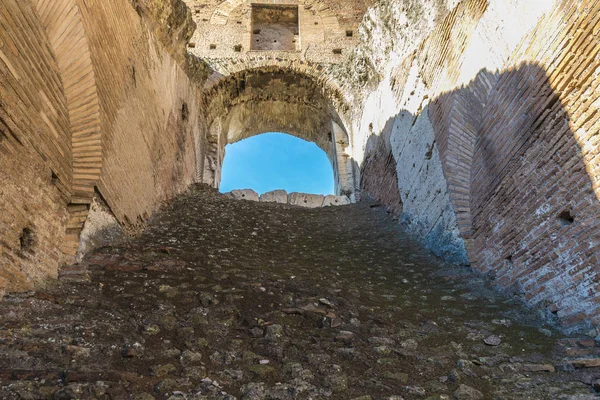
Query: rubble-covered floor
[224,299]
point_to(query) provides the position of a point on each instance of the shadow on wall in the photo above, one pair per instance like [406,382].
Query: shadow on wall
[507,164]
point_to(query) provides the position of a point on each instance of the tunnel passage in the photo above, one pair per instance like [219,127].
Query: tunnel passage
[262,100]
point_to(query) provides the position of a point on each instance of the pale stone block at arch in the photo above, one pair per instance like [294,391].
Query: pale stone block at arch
[244,194]
[332,200]
[274,196]
[306,200]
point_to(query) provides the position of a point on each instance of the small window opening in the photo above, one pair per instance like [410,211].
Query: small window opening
[191,45]
[565,218]
[349,33]
[53,178]
[256,31]
[133,76]
[185,112]
[237,48]
[316,23]
[239,22]
[213,46]
[337,51]
[27,240]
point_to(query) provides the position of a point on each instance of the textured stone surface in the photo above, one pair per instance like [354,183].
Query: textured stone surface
[333,303]
[306,200]
[101,228]
[244,194]
[331,200]
[275,196]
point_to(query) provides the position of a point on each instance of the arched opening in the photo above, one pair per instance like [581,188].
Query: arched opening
[274,160]
[274,99]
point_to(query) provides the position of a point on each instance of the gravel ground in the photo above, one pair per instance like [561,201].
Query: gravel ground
[227,299]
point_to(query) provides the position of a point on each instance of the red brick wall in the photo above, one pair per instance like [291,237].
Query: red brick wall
[520,150]
[536,158]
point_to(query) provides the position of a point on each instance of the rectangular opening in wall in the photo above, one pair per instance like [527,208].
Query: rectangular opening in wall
[274,27]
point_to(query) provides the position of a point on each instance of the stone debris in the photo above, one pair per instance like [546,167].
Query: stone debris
[331,200]
[465,392]
[275,196]
[306,200]
[492,340]
[295,198]
[219,316]
[244,194]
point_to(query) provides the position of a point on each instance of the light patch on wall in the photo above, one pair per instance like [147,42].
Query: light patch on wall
[273,161]
[275,27]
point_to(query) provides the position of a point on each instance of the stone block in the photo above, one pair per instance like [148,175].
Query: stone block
[306,200]
[332,200]
[244,194]
[275,196]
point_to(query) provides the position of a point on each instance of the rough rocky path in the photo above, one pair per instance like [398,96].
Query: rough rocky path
[226,299]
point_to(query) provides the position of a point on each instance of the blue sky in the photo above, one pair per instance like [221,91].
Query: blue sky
[276,161]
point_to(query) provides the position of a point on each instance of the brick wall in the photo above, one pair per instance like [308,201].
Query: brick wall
[35,150]
[148,143]
[90,100]
[534,183]
[511,92]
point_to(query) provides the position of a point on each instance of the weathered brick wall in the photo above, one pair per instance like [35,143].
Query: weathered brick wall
[512,102]
[150,113]
[89,100]
[534,183]
[35,150]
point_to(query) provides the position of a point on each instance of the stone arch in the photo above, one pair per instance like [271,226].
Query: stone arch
[63,23]
[232,70]
[273,99]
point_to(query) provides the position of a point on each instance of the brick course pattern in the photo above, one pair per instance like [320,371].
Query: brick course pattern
[519,147]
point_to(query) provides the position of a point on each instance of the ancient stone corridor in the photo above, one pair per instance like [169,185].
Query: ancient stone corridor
[231,299]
